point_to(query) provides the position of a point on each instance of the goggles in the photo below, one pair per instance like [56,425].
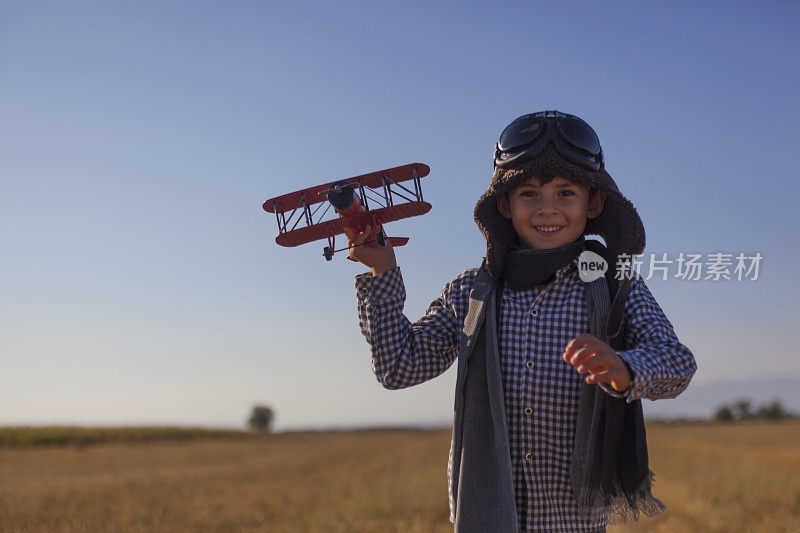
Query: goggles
[526,137]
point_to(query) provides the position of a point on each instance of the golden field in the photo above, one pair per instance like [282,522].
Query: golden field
[712,477]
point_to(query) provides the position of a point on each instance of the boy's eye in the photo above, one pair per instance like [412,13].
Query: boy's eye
[566,192]
[529,193]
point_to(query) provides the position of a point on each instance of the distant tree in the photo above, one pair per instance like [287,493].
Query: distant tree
[772,411]
[743,409]
[724,414]
[261,418]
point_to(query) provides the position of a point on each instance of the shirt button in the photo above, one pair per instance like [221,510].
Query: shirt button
[529,456]
[535,312]
[528,411]
[529,364]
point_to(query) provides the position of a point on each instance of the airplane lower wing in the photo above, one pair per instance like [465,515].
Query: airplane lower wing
[323,230]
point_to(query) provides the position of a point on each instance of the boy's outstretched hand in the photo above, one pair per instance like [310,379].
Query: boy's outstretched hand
[364,247]
[588,354]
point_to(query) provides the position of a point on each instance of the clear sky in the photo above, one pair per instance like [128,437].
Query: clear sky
[139,277]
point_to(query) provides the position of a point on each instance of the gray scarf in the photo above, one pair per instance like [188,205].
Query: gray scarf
[609,465]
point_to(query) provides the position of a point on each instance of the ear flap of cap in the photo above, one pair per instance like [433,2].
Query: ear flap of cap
[497,230]
[620,226]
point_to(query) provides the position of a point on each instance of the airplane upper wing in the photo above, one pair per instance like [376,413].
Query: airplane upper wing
[373,180]
[323,230]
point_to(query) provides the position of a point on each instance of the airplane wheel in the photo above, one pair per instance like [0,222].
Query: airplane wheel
[328,253]
[382,238]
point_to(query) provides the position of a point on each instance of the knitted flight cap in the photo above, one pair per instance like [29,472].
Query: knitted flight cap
[618,224]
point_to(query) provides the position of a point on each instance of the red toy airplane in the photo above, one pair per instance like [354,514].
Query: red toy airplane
[350,199]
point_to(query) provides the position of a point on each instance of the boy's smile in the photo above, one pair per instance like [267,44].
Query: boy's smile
[551,214]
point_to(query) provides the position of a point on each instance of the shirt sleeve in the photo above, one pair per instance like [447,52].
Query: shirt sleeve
[405,354]
[661,366]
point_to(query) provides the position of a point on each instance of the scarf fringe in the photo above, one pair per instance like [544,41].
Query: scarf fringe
[623,507]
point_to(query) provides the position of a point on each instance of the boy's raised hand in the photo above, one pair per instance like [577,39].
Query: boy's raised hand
[364,247]
[588,354]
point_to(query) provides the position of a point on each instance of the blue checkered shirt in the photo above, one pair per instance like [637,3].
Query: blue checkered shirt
[541,391]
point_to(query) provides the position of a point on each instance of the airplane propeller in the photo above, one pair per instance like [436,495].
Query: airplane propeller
[339,187]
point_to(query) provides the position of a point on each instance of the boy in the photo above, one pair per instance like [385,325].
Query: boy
[548,432]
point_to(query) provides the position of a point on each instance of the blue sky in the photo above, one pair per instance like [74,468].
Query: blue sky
[139,277]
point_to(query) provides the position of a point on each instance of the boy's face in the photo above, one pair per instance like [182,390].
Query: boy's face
[550,215]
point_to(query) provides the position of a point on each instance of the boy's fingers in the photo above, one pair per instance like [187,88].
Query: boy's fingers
[577,343]
[356,239]
[596,365]
[593,379]
[366,234]
[582,353]
[594,360]
[591,356]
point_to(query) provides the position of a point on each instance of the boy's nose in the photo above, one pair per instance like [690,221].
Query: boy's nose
[548,206]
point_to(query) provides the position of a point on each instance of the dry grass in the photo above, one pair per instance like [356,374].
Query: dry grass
[366,481]
[742,476]
[737,477]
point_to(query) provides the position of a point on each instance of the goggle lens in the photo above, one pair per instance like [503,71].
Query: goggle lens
[580,135]
[521,132]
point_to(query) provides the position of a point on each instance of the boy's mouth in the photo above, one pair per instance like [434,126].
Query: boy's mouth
[548,229]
